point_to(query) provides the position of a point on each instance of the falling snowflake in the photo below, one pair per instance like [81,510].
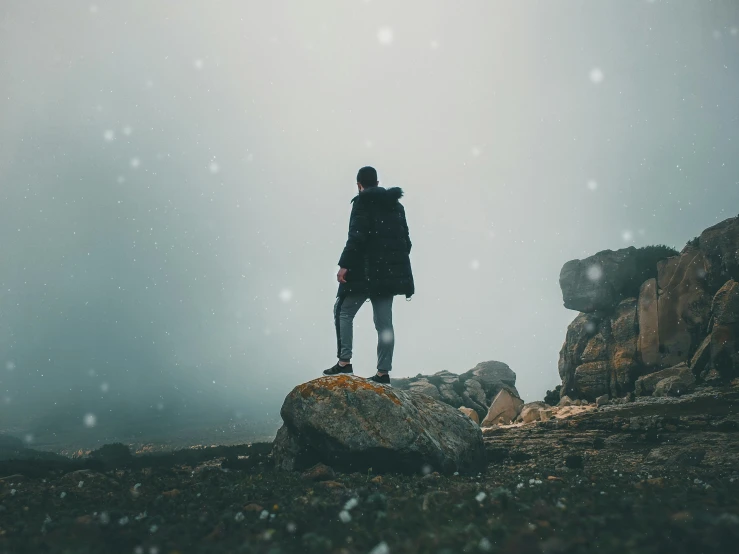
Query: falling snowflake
[480,496]
[345,516]
[734,31]
[475,264]
[127,130]
[135,163]
[286,295]
[89,420]
[10,365]
[590,327]
[214,167]
[434,45]
[627,235]
[485,545]
[596,75]
[381,548]
[93,8]
[28,438]
[595,272]
[368,143]
[109,135]
[475,151]
[592,184]
[104,387]
[198,63]
[121,179]
[385,35]
[387,336]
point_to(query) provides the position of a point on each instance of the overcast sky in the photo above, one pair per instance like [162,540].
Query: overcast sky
[175,180]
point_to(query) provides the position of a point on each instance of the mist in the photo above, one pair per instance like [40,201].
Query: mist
[175,186]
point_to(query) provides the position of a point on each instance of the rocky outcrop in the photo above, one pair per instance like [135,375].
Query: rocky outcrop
[598,282]
[600,354]
[719,352]
[718,244]
[683,305]
[504,409]
[351,423]
[645,310]
[474,389]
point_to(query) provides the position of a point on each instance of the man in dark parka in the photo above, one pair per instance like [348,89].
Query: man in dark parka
[374,265]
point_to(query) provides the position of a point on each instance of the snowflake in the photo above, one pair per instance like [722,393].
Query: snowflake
[596,75]
[592,184]
[385,35]
[89,420]
[286,295]
[595,272]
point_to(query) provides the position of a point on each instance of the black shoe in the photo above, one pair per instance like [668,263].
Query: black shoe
[383,379]
[337,369]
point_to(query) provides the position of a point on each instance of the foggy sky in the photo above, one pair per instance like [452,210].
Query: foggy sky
[175,182]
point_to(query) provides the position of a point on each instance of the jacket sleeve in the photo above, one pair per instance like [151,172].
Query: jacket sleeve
[405,226]
[358,231]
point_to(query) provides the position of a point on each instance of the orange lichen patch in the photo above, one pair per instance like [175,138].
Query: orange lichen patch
[344,382]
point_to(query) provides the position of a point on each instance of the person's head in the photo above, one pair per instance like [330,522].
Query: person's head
[367,178]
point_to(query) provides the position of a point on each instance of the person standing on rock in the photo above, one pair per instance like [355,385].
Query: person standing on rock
[375,265]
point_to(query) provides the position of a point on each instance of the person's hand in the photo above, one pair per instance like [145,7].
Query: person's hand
[341,275]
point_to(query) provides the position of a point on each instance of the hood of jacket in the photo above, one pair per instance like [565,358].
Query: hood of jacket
[379,194]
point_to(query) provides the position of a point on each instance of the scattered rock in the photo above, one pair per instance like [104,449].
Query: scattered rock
[602,400]
[504,409]
[319,472]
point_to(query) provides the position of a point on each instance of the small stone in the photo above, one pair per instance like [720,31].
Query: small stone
[319,472]
[602,400]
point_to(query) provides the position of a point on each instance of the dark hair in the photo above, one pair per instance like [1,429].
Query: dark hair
[367,177]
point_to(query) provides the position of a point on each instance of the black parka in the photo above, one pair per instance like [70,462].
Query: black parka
[377,250]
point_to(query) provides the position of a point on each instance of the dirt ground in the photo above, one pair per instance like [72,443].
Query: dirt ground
[640,477]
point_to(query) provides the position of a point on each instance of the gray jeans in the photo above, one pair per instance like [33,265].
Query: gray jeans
[346,307]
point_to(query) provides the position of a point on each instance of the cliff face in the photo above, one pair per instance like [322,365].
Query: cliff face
[640,315]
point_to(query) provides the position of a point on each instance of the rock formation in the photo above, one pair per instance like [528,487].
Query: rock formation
[474,389]
[644,310]
[351,423]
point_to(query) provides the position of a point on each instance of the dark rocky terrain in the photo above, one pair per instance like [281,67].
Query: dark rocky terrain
[655,475]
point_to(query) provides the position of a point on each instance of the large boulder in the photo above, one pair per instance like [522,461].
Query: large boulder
[646,384]
[720,247]
[597,283]
[683,305]
[354,424]
[493,376]
[504,409]
[680,383]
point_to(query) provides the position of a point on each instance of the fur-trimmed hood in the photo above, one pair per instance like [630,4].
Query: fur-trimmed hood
[380,194]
